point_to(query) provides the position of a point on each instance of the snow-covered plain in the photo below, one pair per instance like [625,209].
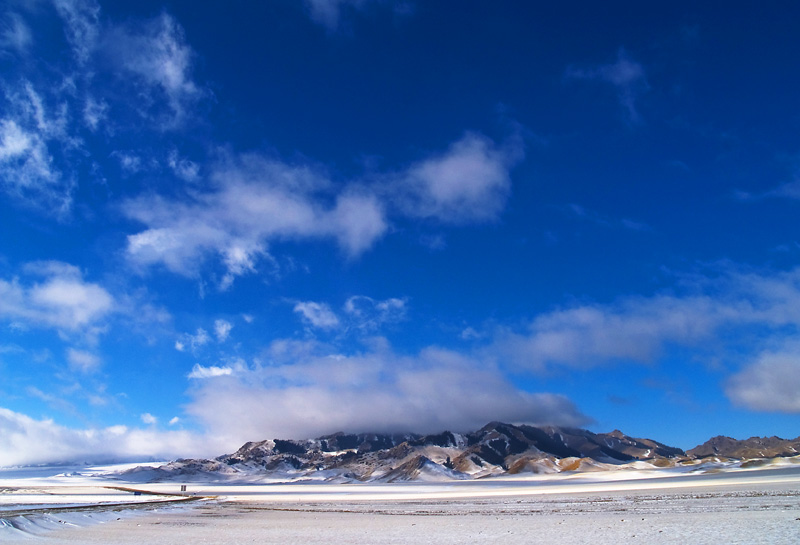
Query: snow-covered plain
[88,505]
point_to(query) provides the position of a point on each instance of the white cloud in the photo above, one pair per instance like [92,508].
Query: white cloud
[582,213]
[367,314]
[15,34]
[174,421]
[201,372]
[82,27]
[470,334]
[586,336]
[27,170]
[129,162]
[94,112]
[317,315]
[80,360]
[771,383]
[329,13]
[257,200]
[149,419]
[26,440]
[222,329]
[789,190]
[61,299]
[625,75]
[33,133]
[305,393]
[356,221]
[470,182]
[183,168]
[199,339]
[156,53]
[640,328]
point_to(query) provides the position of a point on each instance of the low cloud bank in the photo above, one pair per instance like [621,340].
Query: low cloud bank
[28,441]
[309,394]
[303,393]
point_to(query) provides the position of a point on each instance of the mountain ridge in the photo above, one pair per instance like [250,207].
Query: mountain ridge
[495,449]
[754,447]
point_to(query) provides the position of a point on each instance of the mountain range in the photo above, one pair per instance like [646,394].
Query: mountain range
[495,449]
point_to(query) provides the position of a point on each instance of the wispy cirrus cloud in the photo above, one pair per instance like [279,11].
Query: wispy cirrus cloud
[31,126]
[159,59]
[626,76]
[582,213]
[788,190]
[47,116]
[360,314]
[82,26]
[329,13]
[15,34]
[367,314]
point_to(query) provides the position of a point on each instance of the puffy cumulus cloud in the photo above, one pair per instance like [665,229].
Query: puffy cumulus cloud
[156,54]
[305,392]
[771,383]
[222,329]
[27,441]
[60,298]
[257,200]
[639,328]
[469,182]
[317,315]
[626,76]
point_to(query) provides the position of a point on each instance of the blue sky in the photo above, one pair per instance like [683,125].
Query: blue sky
[297,217]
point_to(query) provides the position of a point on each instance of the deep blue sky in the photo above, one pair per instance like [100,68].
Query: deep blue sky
[297,217]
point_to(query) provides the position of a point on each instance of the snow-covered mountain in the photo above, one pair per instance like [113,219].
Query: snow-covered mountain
[495,449]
